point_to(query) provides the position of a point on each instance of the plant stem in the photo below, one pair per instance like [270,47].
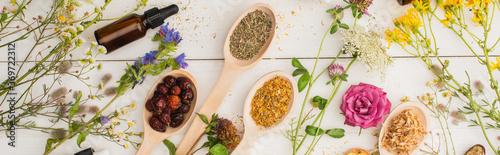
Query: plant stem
[484,133]
[73,133]
[295,148]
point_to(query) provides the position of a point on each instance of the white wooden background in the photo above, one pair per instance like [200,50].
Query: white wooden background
[301,23]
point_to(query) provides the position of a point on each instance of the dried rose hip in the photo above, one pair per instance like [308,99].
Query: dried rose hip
[156,113]
[169,81]
[156,94]
[185,108]
[167,110]
[175,90]
[183,83]
[165,118]
[156,124]
[176,120]
[186,95]
[149,105]
[173,102]
[162,89]
[161,103]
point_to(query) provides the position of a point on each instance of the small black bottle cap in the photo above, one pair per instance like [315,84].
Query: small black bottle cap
[155,17]
[88,151]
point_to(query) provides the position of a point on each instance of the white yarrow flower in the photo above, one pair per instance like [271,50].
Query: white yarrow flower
[367,45]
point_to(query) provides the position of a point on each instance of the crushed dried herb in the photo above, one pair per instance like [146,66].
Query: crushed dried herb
[405,133]
[270,102]
[250,35]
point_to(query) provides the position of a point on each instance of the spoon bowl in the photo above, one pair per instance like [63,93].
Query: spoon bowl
[252,131]
[232,69]
[423,115]
[153,137]
[247,64]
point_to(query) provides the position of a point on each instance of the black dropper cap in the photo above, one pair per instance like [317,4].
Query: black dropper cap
[155,16]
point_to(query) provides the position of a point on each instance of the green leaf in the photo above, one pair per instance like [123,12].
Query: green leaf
[49,143]
[213,141]
[296,63]
[303,81]
[354,10]
[322,104]
[170,146]
[214,117]
[214,123]
[330,10]
[344,26]
[203,118]
[299,71]
[335,133]
[81,138]
[4,17]
[218,149]
[334,29]
[343,77]
[74,109]
[157,37]
[210,133]
[313,131]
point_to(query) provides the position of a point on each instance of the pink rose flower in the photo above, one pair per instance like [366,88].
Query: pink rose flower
[364,105]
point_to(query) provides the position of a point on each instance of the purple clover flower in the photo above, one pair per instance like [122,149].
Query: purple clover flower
[181,59]
[104,119]
[170,35]
[335,70]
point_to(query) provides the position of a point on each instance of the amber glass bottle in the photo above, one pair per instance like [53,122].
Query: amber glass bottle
[404,2]
[132,27]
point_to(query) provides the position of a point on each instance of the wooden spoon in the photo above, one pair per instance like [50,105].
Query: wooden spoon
[232,69]
[254,132]
[423,115]
[153,137]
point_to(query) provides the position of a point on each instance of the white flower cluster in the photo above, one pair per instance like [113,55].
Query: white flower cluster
[367,45]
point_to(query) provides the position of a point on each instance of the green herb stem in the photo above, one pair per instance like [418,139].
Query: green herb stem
[299,125]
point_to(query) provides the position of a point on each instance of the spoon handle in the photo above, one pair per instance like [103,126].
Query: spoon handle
[149,143]
[209,107]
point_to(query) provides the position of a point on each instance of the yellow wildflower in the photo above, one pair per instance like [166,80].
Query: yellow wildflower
[131,123]
[495,66]
[125,111]
[110,131]
[62,18]
[132,106]
[396,35]
[405,99]
[120,134]
[421,5]
[448,15]
[410,21]
[448,4]
[127,145]
[446,94]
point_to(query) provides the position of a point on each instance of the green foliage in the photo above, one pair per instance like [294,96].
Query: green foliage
[314,131]
[171,147]
[74,109]
[218,149]
[335,133]
[301,70]
[81,138]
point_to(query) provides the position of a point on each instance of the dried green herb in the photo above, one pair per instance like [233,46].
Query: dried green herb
[250,35]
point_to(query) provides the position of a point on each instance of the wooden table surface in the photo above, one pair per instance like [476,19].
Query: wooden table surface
[301,23]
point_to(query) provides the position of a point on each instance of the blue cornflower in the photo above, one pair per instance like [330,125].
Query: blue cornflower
[181,59]
[104,119]
[170,35]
